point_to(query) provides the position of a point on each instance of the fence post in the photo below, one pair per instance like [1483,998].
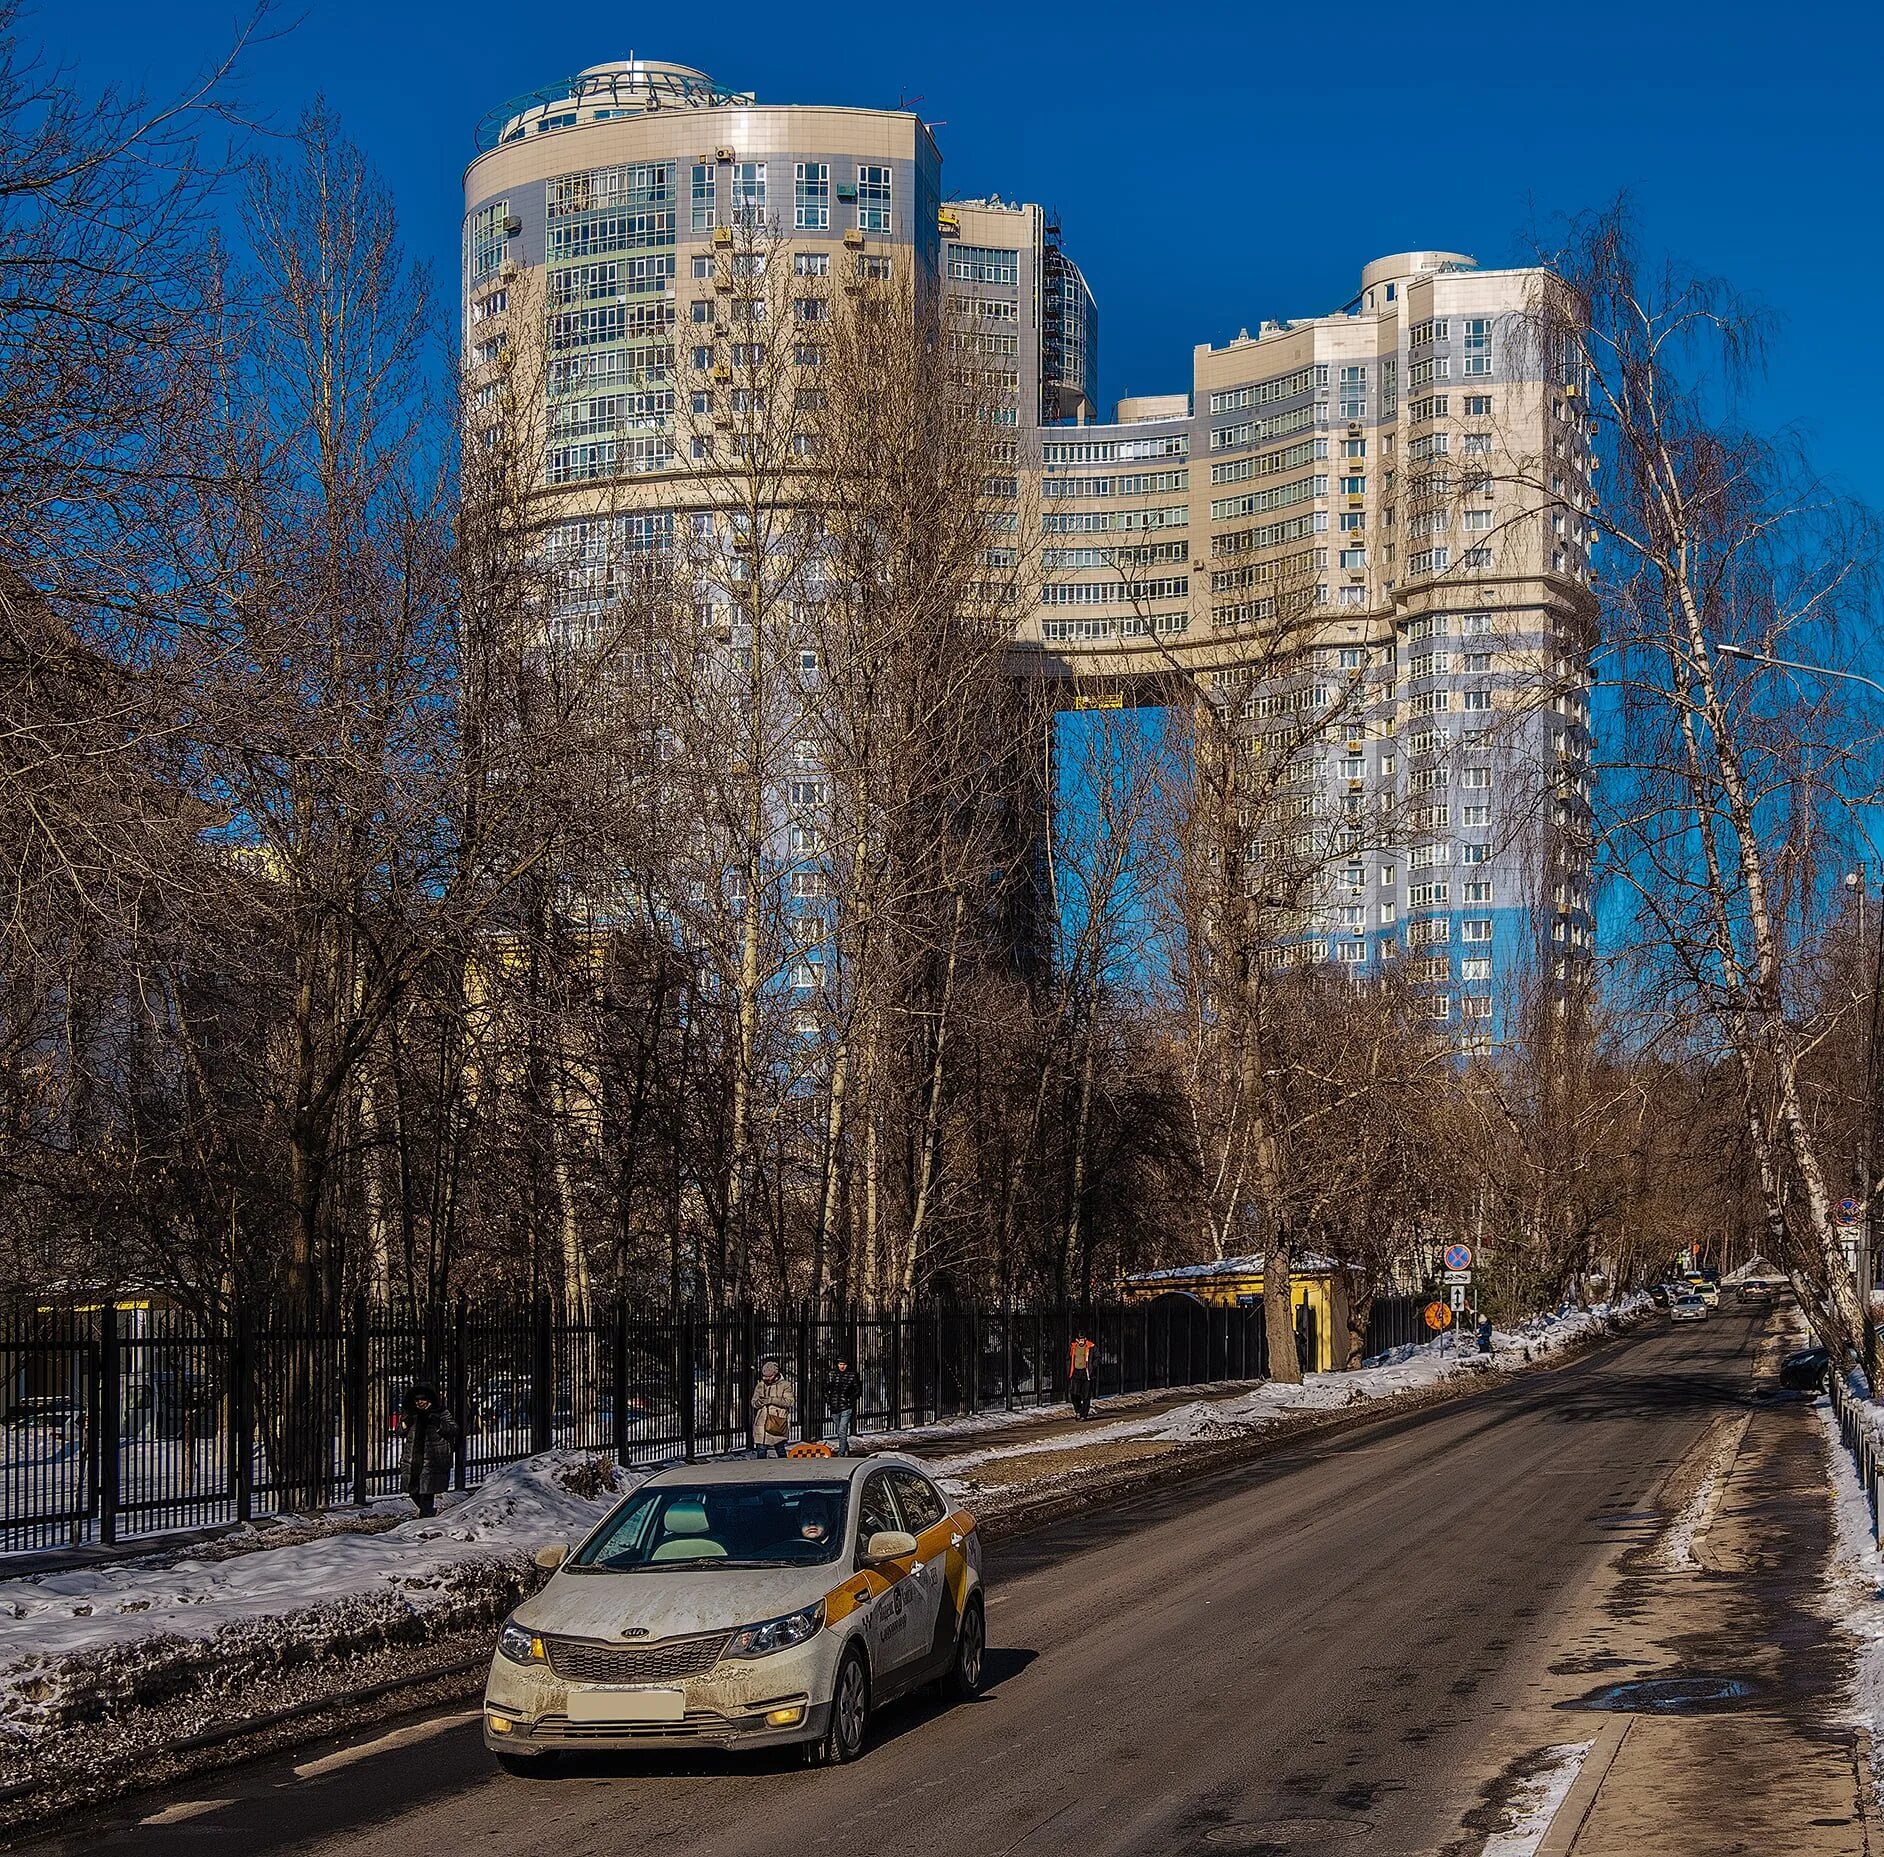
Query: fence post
[242,1413]
[357,1353]
[110,1425]
[542,1377]
[618,1389]
[974,1355]
[810,1418]
[684,1386]
[896,1370]
[453,1341]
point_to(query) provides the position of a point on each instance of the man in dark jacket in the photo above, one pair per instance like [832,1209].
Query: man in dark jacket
[843,1389]
[430,1443]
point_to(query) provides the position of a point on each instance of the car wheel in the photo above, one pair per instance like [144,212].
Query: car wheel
[850,1713]
[963,1682]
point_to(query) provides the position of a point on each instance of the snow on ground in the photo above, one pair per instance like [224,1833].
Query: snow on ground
[92,1628]
[1402,1370]
[83,1643]
[1538,1799]
[1855,1588]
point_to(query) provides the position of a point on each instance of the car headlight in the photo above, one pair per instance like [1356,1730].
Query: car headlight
[519,1644]
[776,1634]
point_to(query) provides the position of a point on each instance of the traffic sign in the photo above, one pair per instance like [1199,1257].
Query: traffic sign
[1458,1295]
[1847,1210]
[1438,1316]
[1458,1276]
[1458,1257]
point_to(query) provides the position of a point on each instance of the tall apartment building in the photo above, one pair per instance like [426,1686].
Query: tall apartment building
[1399,488]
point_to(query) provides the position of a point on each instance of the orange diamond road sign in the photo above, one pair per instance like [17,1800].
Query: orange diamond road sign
[1438,1316]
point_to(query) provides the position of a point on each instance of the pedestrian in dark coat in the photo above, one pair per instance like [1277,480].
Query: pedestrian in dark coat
[843,1390]
[431,1442]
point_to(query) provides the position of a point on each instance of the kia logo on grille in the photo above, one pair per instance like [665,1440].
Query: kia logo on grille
[634,1631]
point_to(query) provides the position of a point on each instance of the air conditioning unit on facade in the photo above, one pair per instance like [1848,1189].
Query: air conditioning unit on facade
[725,154]
[513,225]
[722,235]
[853,236]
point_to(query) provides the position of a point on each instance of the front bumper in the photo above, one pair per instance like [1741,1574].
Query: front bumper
[703,1728]
[725,1708]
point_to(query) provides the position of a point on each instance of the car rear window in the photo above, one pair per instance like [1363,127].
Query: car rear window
[708,1525]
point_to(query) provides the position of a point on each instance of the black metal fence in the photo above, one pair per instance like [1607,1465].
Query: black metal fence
[128,1423]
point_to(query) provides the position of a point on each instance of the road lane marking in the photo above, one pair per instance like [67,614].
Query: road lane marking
[385,1744]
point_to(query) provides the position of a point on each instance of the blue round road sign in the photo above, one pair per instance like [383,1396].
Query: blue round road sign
[1458,1257]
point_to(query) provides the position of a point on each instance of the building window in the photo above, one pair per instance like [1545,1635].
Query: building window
[982,264]
[870,265]
[1478,345]
[748,202]
[873,198]
[1354,448]
[1478,406]
[811,210]
[705,196]
[811,264]
[488,239]
[1476,928]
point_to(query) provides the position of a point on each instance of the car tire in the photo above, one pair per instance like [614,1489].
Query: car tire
[850,1713]
[963,1682]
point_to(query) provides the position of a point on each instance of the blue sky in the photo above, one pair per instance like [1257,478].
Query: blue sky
[1212,165]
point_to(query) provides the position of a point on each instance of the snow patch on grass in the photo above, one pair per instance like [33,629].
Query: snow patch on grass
[81,1645]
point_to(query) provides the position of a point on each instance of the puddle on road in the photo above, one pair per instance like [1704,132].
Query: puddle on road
[1665,1695]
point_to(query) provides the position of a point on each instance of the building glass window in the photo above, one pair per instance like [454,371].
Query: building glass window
[1478,345]
[811,211]
[488,240]
[705,196]
[811,263]
[748,201]
[873,197]
[982,264]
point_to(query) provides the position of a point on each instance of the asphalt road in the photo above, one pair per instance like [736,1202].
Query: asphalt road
[1308,1654]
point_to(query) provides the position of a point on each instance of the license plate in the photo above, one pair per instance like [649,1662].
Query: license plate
[627,1705]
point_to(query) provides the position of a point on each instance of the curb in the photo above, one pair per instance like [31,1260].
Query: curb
[466,1656]
[1566,1826]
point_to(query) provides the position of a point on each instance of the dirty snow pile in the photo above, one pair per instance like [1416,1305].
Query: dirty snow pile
[86,1644]
[1409,1369]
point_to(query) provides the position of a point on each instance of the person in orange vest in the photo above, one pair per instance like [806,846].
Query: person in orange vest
[1079,1375]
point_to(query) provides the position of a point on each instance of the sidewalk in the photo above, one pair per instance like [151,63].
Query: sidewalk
[1753,1749]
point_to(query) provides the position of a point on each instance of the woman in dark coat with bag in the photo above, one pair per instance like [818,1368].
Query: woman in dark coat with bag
[431,1442]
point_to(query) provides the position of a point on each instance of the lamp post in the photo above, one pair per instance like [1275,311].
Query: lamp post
[1858,881]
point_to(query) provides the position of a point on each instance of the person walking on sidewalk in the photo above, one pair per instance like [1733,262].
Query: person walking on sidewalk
[1079,1375]
[843,1389]
[430,1442]
[773,1402]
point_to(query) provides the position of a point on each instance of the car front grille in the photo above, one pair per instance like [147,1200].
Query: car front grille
[583,1660]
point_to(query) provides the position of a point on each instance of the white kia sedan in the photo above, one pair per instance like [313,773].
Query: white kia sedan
[744,1604]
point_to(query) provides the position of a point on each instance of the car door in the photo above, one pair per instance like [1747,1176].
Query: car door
[925,1515]
[890,1628]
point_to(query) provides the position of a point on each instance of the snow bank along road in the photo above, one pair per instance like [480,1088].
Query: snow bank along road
[1310,1653]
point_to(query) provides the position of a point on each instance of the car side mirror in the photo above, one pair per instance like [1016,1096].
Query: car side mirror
[888,1544]
[551,1557]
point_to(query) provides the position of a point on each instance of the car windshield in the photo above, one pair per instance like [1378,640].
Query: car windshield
[714,1525]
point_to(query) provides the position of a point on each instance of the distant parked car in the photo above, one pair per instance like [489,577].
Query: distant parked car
[1687,1308]
[1805,1371]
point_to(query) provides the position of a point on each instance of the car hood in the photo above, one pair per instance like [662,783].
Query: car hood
[658,1604]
